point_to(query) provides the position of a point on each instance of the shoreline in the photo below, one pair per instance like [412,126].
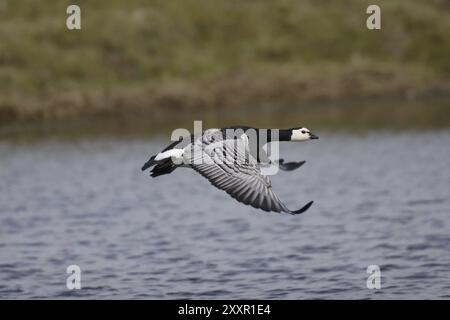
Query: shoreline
[359,115]
[239,94]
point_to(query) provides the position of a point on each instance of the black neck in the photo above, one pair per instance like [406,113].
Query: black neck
[283,135]
[278,134]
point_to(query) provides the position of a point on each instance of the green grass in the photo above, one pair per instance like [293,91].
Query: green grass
[154,57]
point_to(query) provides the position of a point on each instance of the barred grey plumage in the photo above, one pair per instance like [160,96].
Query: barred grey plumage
[230,166]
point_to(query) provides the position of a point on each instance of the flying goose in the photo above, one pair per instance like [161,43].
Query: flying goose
[231,158]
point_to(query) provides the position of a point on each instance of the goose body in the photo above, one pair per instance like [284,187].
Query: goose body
[232,159]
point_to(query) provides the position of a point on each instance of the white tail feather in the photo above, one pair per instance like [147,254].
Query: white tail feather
[177,153]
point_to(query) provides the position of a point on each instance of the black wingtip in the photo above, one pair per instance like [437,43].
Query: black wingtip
[289,166]
[148,164]
[145,166]
[305,207]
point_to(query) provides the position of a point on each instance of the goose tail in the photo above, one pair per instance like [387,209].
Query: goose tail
[164,167]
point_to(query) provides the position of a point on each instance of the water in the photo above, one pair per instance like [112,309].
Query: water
[380,199]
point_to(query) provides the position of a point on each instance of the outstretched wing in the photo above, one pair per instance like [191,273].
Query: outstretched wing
[289,166]
[229,166]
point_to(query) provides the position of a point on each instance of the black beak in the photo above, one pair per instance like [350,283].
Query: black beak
[313,136]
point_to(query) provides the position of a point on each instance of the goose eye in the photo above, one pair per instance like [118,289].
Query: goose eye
[303,131]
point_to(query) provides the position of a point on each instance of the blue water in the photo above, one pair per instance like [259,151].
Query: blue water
[380,199]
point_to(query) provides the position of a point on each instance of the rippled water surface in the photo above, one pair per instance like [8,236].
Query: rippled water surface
[380,198]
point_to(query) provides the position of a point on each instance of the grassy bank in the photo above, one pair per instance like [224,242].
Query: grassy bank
[157,59]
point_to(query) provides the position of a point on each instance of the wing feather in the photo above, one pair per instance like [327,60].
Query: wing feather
[229,166]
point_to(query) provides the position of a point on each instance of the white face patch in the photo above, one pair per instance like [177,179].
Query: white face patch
[301,134]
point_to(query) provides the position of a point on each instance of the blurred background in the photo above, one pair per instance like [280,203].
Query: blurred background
[144,66]
[82,110]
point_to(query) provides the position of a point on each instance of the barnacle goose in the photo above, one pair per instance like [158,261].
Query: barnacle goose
[231,158]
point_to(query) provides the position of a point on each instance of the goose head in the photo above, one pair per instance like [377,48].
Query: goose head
[302,134]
